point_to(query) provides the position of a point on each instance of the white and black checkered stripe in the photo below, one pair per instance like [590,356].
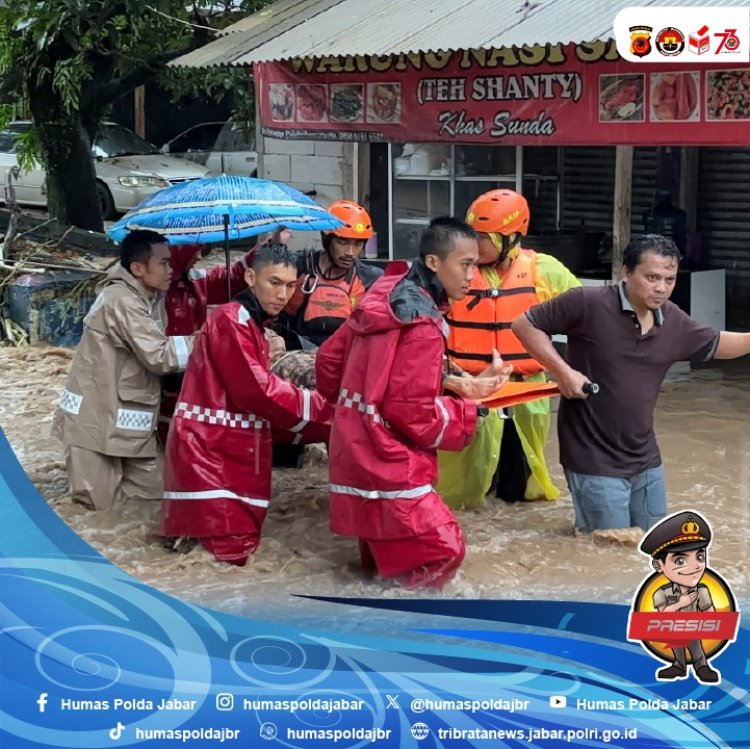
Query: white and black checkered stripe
[219,417]
[354,401]
[135,421]
[70,402]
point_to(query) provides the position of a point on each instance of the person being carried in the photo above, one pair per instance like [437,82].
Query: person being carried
[332,281]
[624,338]
[509,280]
[217,484]
[108,409]
[384,371]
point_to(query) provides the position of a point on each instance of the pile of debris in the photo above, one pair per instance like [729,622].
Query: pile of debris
[48,273]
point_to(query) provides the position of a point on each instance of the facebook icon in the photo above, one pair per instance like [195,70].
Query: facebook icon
[42,701]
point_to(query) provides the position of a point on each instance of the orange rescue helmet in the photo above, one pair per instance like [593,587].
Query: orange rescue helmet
[357,221]
[503,212]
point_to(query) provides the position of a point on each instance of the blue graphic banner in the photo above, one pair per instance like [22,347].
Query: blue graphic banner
[91,657]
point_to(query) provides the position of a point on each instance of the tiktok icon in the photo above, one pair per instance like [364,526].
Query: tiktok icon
[116,732]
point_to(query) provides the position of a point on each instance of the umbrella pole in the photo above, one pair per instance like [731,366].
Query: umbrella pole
[227,259]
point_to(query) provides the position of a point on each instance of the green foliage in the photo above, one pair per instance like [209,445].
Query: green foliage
[27,145]
[94,51]
[67,61]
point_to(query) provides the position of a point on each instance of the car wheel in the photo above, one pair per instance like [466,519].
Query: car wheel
[106,204]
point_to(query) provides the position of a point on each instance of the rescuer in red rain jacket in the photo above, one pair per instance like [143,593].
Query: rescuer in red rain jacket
[217,482]
[190,294]
[384,371]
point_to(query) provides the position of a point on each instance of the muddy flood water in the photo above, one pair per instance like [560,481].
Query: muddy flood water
[527,550]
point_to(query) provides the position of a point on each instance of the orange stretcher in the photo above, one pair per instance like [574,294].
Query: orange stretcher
[515,393]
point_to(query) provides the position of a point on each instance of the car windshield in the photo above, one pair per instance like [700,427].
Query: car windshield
[119,141]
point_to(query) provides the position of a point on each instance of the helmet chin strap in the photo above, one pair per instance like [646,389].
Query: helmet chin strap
[509,242]
[504,244]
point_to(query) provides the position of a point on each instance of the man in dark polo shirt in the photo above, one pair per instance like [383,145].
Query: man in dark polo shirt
[624,338]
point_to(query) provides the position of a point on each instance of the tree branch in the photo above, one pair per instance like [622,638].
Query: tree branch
[117,87]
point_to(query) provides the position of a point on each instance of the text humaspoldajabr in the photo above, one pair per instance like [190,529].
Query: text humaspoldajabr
[338,734]
[187,734]
[470,706]
[316,704]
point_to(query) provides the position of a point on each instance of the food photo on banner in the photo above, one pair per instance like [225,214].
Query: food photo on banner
[366,531]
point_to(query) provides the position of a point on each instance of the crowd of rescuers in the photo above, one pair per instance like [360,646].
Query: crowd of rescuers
[392,371]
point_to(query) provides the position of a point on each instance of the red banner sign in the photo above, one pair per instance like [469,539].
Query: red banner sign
[676,629]
[544,95]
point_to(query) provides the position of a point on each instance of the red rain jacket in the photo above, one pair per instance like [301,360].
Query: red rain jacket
[383,370]
[193,289]
[217,478]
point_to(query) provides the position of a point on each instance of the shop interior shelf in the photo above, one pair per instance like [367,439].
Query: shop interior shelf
[510,178]
[431,177]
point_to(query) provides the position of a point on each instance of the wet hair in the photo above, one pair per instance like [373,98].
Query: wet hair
[439,238]
[136,247]
[656,243]
[272,254]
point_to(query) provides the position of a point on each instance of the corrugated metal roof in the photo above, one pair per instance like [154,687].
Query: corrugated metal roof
[318,28]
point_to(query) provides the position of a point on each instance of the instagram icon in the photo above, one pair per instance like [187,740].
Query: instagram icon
[224,701]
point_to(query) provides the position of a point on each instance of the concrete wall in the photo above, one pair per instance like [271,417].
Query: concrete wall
[326,167]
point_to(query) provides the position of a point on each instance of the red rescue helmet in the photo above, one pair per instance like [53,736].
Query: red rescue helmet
[357,221]
[503,212]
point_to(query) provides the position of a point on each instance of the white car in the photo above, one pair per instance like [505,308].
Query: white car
[222,147]
[128,169]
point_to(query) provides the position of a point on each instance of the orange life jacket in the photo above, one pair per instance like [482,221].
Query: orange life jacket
[324,304]
[481,320]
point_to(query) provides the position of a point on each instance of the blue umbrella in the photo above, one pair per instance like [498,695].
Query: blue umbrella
[215,209]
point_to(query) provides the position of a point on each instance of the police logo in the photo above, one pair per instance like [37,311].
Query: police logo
[640,40]
[670,41]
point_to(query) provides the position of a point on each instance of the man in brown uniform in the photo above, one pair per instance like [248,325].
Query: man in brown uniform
[678,547]
[108,409]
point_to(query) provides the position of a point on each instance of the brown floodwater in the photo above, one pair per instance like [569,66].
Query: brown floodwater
[526,550]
